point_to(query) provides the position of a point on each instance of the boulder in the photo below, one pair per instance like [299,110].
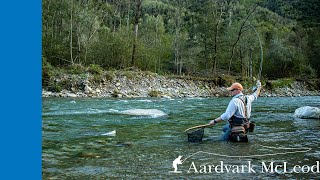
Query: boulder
[71,95]
[307,112]
[87,89]
[46,93]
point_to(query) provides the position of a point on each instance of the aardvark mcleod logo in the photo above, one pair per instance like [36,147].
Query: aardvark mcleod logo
[175,164]
[245,165]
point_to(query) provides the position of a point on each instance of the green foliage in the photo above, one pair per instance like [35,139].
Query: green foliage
[48,71]
[111,50]
[109,76]
[75,69]
[313,84]
[57,86]
[312,50]
[95,69]
[115,93]
[154,93]
[97,79]
[199,38]
[54,88]
[97,73]
[286,82]
[226,80]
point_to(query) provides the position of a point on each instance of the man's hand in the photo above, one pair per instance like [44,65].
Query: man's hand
[213,122]
[258,84]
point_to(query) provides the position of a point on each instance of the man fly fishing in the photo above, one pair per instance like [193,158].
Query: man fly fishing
[237,114]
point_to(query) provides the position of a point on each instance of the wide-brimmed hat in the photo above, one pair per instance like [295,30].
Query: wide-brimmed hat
[234,86]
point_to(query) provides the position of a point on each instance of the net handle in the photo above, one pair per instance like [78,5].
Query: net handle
[199,126]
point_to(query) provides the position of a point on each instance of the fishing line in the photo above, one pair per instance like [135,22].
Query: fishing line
[297,150]
[261,50]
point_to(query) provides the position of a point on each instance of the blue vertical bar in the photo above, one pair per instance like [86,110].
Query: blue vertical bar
[20,89]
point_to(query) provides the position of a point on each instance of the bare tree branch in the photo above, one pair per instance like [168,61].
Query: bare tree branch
[239,35]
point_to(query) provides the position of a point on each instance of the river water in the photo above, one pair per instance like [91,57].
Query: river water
[99,138]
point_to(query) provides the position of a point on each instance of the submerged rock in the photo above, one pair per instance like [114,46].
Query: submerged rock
[123,144]
[307,112]
[88,155]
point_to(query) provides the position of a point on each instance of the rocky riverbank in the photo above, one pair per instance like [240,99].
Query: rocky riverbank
[131,84]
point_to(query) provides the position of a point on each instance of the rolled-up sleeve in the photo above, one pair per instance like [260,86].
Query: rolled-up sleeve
[255,95]
[231,109]
[252,97]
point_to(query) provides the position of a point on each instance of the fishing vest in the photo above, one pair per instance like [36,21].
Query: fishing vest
[235,121]
[239,126]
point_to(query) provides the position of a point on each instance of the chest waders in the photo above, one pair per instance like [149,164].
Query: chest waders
[240,126]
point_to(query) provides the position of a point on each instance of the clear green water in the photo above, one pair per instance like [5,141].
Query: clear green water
[144,147]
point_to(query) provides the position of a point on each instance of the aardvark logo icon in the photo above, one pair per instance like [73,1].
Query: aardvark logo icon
[175,164]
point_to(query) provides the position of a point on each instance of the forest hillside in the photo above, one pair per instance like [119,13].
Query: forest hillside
[271,39]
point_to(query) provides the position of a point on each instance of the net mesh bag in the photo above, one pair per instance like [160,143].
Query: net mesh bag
[195,135]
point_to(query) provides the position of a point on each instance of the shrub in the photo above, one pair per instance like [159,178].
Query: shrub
[115,93]
[129,74]
[95,69]
[154,93]
[286,82]
[225,80]
[97,79]
[54,87]
[109,76]
[75,69]
[48,72]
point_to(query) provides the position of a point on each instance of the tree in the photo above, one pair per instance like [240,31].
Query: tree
[203,37]
[136,27]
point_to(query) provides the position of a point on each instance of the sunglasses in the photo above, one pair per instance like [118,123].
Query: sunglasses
[233,90]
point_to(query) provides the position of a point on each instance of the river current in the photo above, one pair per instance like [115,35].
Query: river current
[100,138]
